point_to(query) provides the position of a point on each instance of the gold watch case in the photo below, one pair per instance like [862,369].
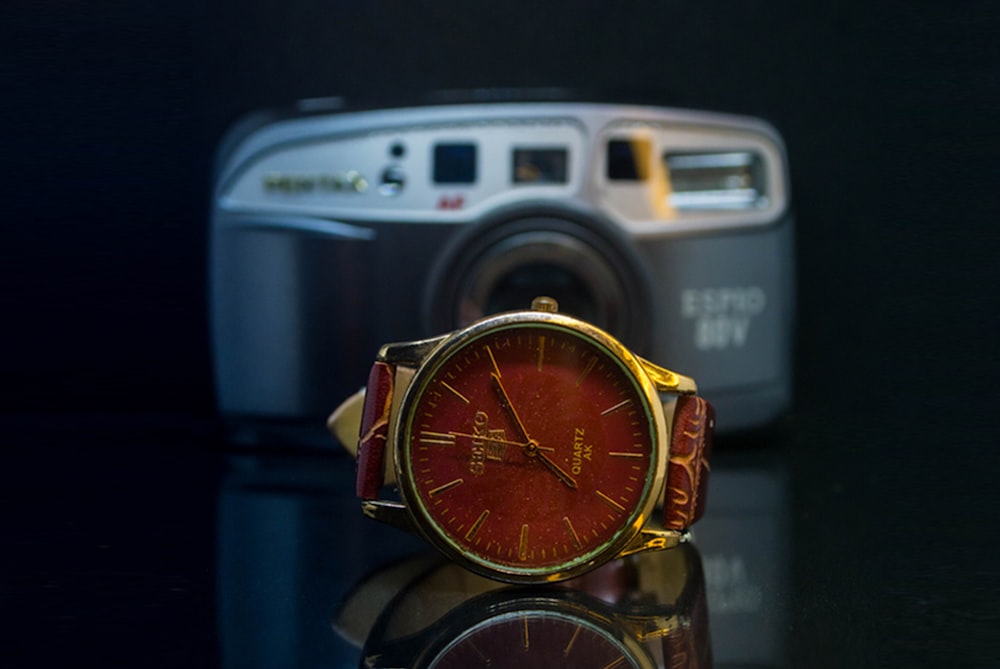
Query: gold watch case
[417,363]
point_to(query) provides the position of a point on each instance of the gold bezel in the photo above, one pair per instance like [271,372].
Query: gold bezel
[443,350]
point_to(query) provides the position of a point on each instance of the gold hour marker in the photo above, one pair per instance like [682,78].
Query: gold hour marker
[476,525]
[615,663]
[610,502]
[444,488]
[525,630]
[456,393]
[541,351]
[572,532]
[429,438]
[616,407]
[623,454]
[572,640]
[586,369]
[522,546]
[493,360]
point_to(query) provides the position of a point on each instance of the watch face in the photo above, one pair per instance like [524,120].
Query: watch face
[542,639]
[529,448]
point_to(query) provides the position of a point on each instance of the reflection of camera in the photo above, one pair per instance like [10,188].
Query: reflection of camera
[335,232]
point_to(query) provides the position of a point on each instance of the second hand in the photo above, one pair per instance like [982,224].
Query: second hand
[521,444]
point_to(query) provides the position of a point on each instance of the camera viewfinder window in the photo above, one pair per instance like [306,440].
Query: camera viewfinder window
[454,163]
[539,166]
[629,159]
[729,180]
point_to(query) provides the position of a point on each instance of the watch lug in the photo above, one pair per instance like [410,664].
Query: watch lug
[386,661]
[654,540]
[645,628]
[390,513]
[409,353]
[399,653]
[667,381]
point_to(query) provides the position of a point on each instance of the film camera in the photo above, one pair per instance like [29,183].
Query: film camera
[336,231]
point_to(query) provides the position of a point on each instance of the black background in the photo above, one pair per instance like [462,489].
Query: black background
[889,112]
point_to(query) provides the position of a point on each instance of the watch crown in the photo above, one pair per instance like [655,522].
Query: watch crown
[542,303]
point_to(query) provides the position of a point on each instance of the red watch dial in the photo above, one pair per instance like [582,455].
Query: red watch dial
[530,449]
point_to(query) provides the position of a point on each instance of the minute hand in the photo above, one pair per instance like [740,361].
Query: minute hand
[558,471]
[494,440]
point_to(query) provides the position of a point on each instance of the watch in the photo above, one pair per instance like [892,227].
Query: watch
[530,446]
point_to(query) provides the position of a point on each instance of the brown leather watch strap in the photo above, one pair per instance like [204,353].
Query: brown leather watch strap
[687,470]
[374,430]
[689,643]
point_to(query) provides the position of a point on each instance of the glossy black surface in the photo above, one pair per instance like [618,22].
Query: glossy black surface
[144,542]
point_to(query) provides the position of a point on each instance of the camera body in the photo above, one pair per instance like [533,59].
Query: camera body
[333,232]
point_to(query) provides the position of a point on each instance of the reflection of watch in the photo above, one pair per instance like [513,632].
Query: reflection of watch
[554,628]
[636,613]
[531,446]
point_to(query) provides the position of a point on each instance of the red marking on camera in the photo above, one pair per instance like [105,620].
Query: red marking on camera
[451,202]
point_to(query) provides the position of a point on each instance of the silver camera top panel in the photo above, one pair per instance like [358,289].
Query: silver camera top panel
[654,171]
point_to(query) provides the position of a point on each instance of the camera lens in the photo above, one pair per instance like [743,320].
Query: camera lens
[527,282]
[517,268]
[504,262]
